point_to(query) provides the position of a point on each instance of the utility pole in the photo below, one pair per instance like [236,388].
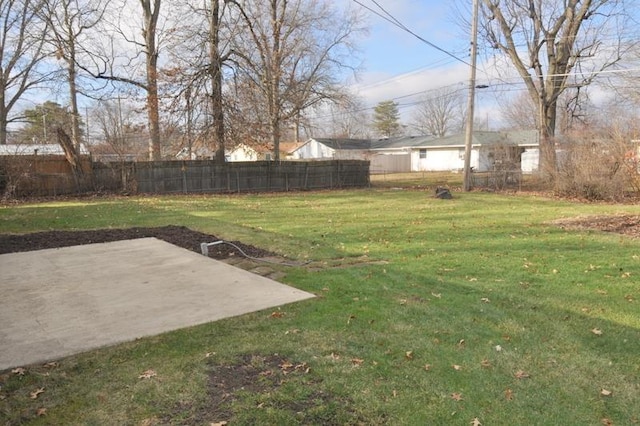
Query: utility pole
[471,100]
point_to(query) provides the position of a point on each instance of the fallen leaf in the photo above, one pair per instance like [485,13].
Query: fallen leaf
[457,367]
[147,374]
[41,412]
[602,292]
[427,367]
[607,422]
[51,365]
[351,317]
[498,348]
[277,314]
[628,298]
[461,342]
[521,375]
[334,356]
[357,361]
[456,396]
[473,279]
[596,331]
[222,423]
[508,394]
[485,300]
[476,422]
[35,393]
[19,371]
[437,295]
[485,363]
[605,392]
[408,355]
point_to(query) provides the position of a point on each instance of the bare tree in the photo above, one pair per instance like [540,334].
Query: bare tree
[200,60]
[348,119]
[520,112]
[550,41]
[292,56]
[22,53]
[118,64]
[68,21]
[119,134]
[150,12]
[439,112]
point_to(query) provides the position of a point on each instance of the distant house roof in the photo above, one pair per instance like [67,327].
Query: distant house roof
[37,149]
[401,142]
[342,144]
[485,138]
[480,138]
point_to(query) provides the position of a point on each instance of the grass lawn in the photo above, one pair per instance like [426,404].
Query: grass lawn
[428,312]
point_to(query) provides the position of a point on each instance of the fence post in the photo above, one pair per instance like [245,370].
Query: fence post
[306,175]
[184,177]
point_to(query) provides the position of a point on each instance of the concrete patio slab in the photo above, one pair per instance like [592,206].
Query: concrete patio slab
[58,302]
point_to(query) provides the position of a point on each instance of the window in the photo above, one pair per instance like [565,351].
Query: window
[423,154]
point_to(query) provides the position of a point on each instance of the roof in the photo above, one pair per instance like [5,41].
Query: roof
[37,149]
[480,138]
[401,142]
[486,138]
[343,144]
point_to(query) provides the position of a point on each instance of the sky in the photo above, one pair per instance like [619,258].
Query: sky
[399,66]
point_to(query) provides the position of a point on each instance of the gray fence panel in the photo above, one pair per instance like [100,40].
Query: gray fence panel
[207,176]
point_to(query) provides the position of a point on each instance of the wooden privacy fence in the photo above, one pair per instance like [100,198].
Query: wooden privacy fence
[165,177]
[43,175]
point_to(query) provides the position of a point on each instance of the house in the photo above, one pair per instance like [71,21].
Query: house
[394,155]
[37,149]
[334,149]
[244,152]
[263,152]
[489,150]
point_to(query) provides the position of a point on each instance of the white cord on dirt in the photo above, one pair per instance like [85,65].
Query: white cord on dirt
[205,251]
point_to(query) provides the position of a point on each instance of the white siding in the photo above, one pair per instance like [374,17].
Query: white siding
[242,153]
[529,160]
[441,160]
[312,150]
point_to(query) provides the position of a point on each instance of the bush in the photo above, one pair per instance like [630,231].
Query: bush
[603,169]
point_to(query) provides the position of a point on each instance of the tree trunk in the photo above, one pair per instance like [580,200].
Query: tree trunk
[73,96]
[275,138]
[548,160]
[3,120]
[215,71]
[153,111]
[149,32]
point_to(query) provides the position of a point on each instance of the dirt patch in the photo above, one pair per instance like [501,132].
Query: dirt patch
[263,377]
[628,225]
[178,235]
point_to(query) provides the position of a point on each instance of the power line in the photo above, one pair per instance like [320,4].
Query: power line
[391,19]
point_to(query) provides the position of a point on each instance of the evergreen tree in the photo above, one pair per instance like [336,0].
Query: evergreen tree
[386,119]
[43,121]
